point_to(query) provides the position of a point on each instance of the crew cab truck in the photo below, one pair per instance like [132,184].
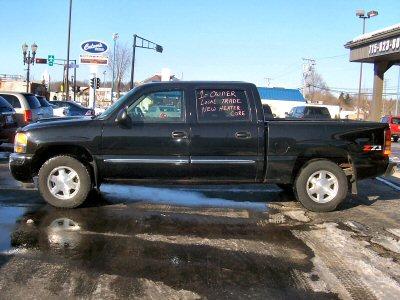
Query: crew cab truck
[217,134]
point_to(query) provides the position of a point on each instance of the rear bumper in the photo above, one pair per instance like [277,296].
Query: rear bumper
[391,168]
[21,167]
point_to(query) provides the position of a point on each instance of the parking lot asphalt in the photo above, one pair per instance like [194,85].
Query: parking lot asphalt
[198,242]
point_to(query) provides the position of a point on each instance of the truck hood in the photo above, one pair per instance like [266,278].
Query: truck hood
[59,122]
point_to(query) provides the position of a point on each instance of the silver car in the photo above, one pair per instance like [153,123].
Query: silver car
[26,105]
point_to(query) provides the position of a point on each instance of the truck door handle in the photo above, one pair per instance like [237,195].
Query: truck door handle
[243,135]
[179,135]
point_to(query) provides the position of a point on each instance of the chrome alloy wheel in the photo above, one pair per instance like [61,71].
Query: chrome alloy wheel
[322,186]
[63,182]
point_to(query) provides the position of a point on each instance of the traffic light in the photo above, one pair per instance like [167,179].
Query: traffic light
[92,82]
[97,83]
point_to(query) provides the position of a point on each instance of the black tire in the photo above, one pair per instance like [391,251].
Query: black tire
[83,175]
[396,139]
[301,186]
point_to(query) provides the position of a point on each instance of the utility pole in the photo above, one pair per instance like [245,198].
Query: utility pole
[115,37]
[308,73]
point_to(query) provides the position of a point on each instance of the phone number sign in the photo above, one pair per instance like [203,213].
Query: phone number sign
[384,47]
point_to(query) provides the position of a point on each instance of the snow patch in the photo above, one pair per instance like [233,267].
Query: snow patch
[348,267]
[376,32]
[388,243]
[177,197]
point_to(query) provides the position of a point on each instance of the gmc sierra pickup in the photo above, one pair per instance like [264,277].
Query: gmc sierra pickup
[199,132]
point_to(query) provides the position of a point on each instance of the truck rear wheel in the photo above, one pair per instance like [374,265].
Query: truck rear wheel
[321,186]
[64,182]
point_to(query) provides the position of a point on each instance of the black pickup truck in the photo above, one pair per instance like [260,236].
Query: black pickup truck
[199,132]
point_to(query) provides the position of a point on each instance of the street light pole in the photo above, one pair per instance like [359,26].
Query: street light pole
[361,14]
[28,59]
[145,44]
[115,37]
[68,47]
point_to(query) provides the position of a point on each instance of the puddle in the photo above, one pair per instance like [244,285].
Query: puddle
[209,256]
[8,216]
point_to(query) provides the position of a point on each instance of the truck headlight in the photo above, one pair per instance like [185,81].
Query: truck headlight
[20,142]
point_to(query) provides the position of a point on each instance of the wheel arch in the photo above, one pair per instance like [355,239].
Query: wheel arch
[78,152]
[339,156]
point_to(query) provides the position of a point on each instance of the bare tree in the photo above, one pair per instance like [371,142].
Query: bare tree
[318,90]
[123,58]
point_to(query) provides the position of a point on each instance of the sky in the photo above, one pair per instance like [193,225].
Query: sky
[247,40]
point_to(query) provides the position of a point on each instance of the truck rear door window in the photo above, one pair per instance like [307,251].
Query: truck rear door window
[218,105]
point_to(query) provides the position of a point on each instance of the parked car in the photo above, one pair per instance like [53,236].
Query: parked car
[47,109]
[26,105]
[309,112]
[74,109]
[394,123]
[220,137]
[8,122]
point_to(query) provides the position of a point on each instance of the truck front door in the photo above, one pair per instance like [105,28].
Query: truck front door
[156,146]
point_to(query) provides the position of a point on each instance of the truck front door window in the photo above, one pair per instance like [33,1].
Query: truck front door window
[165,106]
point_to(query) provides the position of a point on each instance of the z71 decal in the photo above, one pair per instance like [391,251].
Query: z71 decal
[368,148]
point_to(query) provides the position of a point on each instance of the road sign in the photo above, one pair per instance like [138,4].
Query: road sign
[73,66]
[40,60]
[93,60]
[50,60]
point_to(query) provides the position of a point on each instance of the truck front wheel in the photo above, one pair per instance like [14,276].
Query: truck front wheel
[321,186]
[64,182]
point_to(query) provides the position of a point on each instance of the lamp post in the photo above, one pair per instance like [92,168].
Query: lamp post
[361,14]
[68,47]
[28,59]
[145,44]
[115,37]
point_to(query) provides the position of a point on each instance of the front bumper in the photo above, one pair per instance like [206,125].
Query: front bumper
[21,167]
[391,168]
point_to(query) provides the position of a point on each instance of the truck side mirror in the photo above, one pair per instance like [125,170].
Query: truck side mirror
[123,118]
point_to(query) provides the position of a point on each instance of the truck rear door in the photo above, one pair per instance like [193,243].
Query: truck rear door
[224,134]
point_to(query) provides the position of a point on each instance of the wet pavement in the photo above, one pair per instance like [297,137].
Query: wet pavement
[198,242]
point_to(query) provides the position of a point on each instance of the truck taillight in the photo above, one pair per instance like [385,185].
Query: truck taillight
[27,116]
[388,143]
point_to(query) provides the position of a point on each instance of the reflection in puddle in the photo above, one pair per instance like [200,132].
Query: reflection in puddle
[62,233]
